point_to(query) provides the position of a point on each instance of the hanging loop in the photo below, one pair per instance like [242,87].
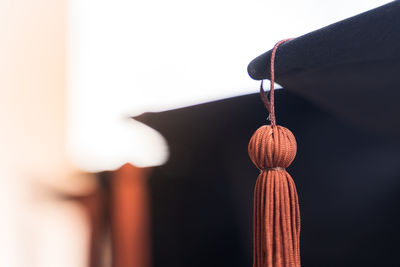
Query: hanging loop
[269,103]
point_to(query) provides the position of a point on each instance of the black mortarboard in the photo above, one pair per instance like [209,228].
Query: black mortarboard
[350,68]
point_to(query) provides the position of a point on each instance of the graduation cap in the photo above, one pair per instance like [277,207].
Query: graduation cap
[339,98]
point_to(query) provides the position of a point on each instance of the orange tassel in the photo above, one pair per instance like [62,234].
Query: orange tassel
[276,206]
[272,149]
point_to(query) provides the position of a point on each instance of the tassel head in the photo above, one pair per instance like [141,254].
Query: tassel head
[272,147]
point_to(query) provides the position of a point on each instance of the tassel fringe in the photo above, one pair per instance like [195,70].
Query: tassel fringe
[276,220]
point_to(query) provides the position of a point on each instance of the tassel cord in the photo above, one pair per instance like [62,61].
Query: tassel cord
[269,104]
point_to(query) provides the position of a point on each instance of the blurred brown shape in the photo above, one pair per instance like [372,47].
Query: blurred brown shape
[96,209]
[130,217]
[117,213]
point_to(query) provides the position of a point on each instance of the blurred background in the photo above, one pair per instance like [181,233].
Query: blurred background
[73,73]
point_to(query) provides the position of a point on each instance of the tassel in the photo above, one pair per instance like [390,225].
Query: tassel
[272,149]
[276,206]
